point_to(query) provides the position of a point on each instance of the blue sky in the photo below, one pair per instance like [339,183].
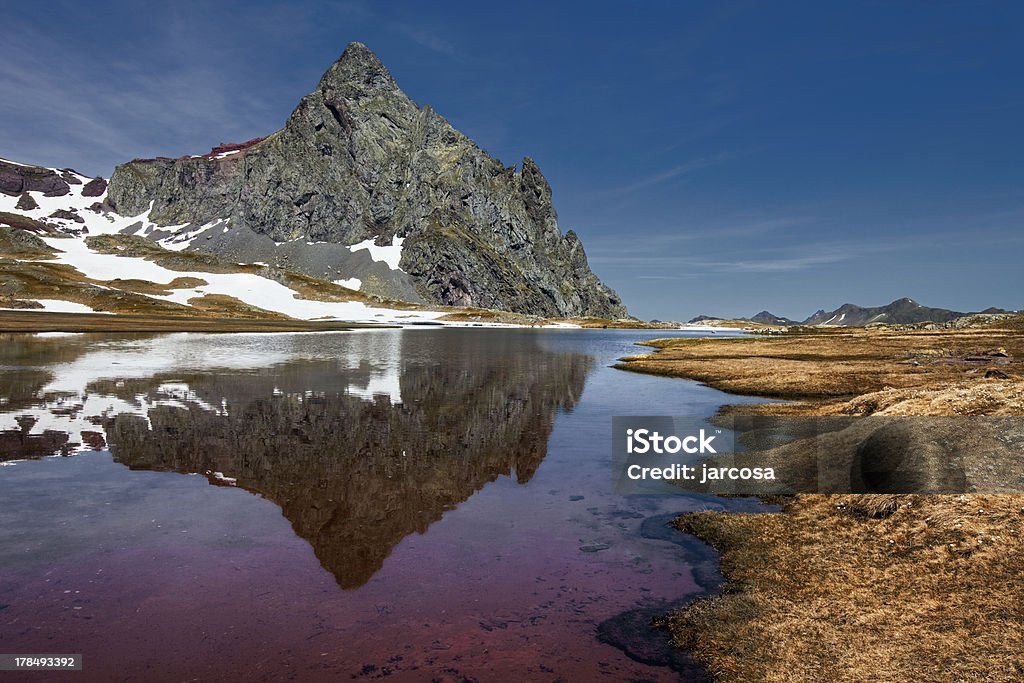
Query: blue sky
[714,157]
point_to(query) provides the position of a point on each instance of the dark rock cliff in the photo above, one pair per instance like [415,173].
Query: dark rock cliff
[357,160]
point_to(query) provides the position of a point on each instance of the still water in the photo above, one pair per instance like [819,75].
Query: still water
[414,505]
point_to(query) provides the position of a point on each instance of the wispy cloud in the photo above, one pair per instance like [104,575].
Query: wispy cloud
[66,106]
[671,173]
[424,37]
[804,257]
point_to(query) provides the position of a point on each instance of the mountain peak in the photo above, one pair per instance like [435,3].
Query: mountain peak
[359,72]
[769,318]
[900,311]
[359,161]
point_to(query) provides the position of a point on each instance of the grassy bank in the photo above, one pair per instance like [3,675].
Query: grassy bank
[45,321]
[862,588]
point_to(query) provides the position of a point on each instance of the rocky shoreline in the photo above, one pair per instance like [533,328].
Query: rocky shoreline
[861,587]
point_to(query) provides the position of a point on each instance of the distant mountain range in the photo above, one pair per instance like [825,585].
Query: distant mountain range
[901,311]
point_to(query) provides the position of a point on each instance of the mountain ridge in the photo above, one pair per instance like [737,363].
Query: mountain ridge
[900,311]
[359,162]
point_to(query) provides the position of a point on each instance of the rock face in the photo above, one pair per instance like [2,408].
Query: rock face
[18,178]
[94,188]
[26,202]
[359,160]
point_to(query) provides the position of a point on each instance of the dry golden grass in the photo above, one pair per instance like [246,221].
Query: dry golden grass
[224,306]
[15,221]
[151,288]
[22,281]
[20,243]
[836,589]
[830,367]
[862,588]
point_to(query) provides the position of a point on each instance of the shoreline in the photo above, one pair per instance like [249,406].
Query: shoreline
[36,321]
[860,587]
[48,321]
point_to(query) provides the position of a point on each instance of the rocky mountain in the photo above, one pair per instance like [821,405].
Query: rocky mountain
[901,311]
[766,318]
[360,167]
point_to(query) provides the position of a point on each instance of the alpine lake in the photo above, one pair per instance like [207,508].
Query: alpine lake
[417,504]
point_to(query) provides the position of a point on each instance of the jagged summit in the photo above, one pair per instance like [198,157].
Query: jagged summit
[359,162]
[359,72]
[900,311]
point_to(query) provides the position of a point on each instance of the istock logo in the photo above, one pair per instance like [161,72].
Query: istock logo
[641,441]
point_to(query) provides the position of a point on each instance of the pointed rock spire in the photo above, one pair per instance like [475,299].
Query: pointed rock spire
[358,73]
[358,160]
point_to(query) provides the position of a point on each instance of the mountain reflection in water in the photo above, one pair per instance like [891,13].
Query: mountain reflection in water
[361,441]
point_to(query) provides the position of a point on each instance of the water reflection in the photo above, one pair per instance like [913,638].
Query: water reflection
[361,439]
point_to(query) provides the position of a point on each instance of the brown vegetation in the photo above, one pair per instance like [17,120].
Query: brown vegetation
[862,588]
[18,222]
[858,371]
[44,321]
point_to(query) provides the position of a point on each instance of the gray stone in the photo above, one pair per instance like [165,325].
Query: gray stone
[16,178]
[594,547]
[26,202]
[94,188]
[357,160]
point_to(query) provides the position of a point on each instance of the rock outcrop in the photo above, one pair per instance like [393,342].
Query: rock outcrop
[359,160]
[16,179]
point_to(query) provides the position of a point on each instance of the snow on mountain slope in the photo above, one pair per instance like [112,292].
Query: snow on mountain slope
[251,289]
[390,255]
[76,215]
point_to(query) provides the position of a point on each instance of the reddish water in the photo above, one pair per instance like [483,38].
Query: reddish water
[474,570]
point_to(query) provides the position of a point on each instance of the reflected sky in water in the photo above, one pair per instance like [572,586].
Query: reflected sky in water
[430,503]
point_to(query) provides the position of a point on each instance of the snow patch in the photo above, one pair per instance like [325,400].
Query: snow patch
[16,163]
[351,283]
[219,476]
[56,306]
[184,235]
[251,289]
[391,255]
